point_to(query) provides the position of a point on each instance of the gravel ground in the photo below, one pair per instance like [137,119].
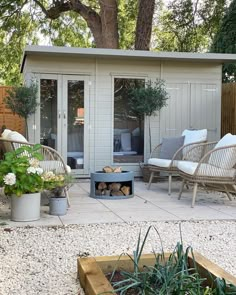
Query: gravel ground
[42,260]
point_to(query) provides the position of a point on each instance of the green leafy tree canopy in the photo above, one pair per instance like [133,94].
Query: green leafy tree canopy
[146,100]
[225,41]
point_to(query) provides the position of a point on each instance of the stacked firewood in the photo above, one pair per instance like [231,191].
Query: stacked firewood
[109,169]
[112,189]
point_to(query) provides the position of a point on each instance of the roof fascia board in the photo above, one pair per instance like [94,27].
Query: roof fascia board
[117,53]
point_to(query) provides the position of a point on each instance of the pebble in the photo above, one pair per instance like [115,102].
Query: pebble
[43,260]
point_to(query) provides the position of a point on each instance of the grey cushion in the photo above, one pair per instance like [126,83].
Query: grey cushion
[170,146]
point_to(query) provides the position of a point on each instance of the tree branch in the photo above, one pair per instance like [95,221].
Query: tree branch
[54,11]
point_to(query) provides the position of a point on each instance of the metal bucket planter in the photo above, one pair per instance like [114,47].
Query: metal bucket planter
[58,206]
[26,207]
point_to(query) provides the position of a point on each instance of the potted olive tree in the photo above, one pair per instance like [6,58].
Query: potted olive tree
[146,100]
[22,100]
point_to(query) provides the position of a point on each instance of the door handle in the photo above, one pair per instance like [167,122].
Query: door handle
[59,115]
[64,115]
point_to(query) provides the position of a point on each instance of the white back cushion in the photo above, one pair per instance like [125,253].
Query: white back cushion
[14,135]
[5,133]
[225,159]
[194,135]
[7,145]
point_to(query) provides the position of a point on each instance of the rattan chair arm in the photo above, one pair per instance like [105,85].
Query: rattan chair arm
[155,148]
[206,157]
[48,152]
[204,146]
[180,150]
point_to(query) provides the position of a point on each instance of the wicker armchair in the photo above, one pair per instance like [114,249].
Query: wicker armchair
[52,160]
[169,166]
[215,170]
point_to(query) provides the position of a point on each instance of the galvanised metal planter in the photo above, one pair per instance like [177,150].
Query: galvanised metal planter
[25,207]
[58,206]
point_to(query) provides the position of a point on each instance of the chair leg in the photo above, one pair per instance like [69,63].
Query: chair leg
[67,197]
[169,184]
[181,189]
[150,180]
[194,194]
[227,193]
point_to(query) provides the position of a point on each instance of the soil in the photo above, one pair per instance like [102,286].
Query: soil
[117,277]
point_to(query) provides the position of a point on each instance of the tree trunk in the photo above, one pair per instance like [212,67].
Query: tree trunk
[104,26]
[26,129]
[144,24]
[109,22]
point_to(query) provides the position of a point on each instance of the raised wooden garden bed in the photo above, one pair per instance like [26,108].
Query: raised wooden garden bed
[91,270]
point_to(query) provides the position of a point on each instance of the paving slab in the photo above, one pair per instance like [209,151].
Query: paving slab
[90,217]
[146,205]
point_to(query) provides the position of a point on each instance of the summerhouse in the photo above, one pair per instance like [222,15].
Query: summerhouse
[84,111]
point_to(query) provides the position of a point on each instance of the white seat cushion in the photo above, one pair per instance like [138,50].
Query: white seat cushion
[205,169]
[159,162]
[164,163]
[225,160]
[54,165]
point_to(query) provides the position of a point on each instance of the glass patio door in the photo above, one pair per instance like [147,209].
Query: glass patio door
[74,122]
[63,118]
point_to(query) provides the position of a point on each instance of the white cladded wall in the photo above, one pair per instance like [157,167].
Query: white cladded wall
[194,88]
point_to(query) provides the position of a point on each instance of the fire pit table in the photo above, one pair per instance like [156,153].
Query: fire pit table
[108,180]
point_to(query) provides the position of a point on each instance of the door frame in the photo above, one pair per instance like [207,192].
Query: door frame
[64,120]
[62,123]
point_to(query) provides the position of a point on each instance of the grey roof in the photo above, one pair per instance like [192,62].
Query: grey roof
[118,53]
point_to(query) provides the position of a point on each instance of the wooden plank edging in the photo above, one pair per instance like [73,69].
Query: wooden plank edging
[92,279]
[205,266]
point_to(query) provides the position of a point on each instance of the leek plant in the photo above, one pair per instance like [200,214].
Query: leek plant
[170,276]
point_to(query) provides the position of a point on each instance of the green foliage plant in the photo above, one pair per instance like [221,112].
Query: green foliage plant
[18,174]
[147,100]
[22,100]
[56,184]
[170,276]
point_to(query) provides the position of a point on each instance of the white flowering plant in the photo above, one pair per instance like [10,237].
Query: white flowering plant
[56,184]
[20,172]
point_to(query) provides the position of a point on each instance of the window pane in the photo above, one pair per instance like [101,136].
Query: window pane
[128,129]
[75,115]
[48,112]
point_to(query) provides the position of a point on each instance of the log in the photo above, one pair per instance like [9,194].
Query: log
[102,185]
[108,169]
[115,186]
[125,190]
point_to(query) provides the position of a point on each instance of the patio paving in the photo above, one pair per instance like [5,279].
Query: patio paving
[146,205]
